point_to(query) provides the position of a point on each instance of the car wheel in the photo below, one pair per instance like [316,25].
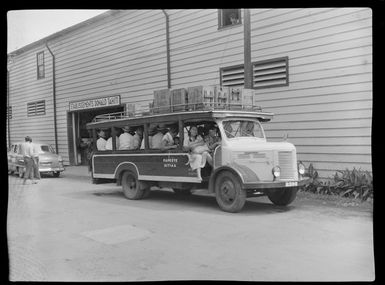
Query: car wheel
[133,189]
[228,192]
[56,174]
[20,172]
[282,197]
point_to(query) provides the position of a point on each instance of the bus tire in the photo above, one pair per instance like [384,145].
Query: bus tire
[133,189]
[282,197]
[228,192]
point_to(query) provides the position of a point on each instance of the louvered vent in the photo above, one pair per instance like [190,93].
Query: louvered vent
[271,73]
[36,108]
[233,76]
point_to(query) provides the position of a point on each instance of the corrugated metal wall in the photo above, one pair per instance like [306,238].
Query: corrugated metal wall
[326,109]
[123,55]
[25,88]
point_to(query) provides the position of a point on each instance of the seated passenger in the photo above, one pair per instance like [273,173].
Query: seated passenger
[109,143]
[158,137]
[101,142]
[126,140]
[198,150]
[212,140]
[138,137]
[168,139]
[151,132]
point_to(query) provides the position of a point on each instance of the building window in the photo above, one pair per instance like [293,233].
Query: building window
[40,65]
[271,73]
[233,76]
[36,108]
[9,112]
[266,73]
[229,17]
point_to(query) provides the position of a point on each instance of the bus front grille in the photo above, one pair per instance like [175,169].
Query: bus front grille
[285,160]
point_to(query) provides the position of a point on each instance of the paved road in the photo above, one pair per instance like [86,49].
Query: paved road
[67,229]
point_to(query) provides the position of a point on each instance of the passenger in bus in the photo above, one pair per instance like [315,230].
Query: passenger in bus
[168,139]
[199,152]
[158,137]
[152,130]
[177,141]
[212,140]
[138,137]
[101,142]
[126,139]
[109,141]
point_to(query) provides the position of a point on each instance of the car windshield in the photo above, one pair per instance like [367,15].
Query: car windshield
[242,128]
[45,148]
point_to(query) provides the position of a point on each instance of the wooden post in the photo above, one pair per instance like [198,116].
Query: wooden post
[113,133]
[94,138]
[145,136]
[181,134]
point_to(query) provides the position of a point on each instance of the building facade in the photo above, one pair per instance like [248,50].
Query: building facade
[311,67]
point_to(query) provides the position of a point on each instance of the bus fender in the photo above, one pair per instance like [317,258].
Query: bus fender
[244,173]
[122,167]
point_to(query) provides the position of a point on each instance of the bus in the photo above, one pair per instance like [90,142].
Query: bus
[242,164]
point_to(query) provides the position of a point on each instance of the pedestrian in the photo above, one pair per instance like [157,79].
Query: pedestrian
[35,158]
[28,161]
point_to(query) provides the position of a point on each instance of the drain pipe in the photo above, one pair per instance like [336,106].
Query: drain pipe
[248,70]
[168,50]
[54,96]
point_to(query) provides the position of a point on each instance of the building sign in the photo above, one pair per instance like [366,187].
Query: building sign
[95,103]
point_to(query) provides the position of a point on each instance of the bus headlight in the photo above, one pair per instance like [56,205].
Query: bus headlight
[301,168]
[276,171]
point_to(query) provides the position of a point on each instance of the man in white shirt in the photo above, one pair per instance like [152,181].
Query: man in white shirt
[126,140]
[27,151]
[109,143]
[101,142]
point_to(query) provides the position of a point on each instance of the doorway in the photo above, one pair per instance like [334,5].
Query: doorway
[79,138]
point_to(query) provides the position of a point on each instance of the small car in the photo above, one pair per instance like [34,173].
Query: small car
[49,161]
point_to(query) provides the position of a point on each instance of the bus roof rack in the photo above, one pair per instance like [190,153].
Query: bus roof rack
[176,108]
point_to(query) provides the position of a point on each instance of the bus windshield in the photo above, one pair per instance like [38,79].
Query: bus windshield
[242,128]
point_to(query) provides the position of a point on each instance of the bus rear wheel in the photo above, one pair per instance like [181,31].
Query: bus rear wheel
[282,197]
[228,192]
[133,189]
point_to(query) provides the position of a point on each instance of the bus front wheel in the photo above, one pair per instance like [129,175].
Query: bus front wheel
[282,197]
[228,192]
[133,189]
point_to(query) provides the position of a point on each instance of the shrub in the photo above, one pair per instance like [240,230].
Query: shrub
[355,183]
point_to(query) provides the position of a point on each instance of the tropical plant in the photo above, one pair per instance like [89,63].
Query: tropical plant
[355,183]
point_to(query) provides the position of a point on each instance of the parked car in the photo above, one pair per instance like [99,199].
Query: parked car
[49,161]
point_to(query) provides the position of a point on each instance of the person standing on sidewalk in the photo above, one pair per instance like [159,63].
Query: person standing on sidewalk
[35,158]
[28,161]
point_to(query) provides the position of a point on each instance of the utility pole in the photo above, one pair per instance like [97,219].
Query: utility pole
[248,68]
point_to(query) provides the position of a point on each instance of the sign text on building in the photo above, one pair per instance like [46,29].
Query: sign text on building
[95,103]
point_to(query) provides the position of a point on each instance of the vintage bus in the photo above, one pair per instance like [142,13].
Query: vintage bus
[244,164]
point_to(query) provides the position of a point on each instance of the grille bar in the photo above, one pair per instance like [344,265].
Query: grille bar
[285,160]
